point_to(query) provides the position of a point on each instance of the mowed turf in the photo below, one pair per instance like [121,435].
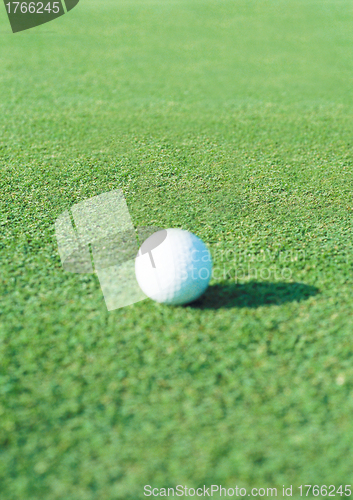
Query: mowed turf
[232,119]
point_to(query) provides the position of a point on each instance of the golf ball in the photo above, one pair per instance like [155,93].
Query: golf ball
[173,266]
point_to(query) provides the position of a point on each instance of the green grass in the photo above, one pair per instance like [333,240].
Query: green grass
[232,119]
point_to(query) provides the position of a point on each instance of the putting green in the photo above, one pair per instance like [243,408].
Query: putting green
[231,119]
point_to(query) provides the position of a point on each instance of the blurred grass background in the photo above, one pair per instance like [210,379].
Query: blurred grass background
[232,119]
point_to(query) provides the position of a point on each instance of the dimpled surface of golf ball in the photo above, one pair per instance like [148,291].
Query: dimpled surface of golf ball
[173,266]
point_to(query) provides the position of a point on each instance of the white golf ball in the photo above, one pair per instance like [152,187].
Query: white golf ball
[173,267]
